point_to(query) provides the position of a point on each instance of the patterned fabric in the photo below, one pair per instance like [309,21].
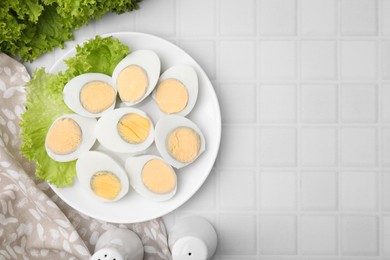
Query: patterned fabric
[34,222]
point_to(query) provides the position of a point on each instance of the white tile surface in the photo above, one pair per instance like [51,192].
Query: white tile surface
[277,235]
[278,190]
[277,103]
[359,17]
[318,17]
[319,235]
[303,171]
[353,53]
[277,17]
[319,103]
[318,60]
[359,235]
[277,146]
[277,60]
[319,191]
[358,191]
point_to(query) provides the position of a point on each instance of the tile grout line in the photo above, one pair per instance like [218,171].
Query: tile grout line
[298,138]
[338,138]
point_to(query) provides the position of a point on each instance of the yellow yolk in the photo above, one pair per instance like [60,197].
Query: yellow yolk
[105,185]
[134,128]
[171,96]
[97,96]
[184,144]
[158,176]
[132,83]
[64,136]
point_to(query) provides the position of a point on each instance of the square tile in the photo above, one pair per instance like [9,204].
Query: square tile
[386,235]
[237,234]
[277,17]
[319,103]
[318,60]
[277,103]
[204,52]
[359,235]
[245,12]
[358,60]
[277,235]
[358,191]
[278,146]
[319,235]
[162,11]
[277,60]
[238,146]
[278,190]
[386,191]
[318,17]
[359,17]
[319,190]
[232,197]
[386,146]
[118,23]
[196,17]
[386,60]
[358,146]
[385,18]
[205,198]
[237,60]
[319,146]
[358,103]
[385,98]
[238,103]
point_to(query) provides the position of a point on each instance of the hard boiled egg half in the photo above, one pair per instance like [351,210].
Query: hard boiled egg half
[177,90]
[179,140]
[102,176]
[125,130]
[90,94]
[69,136]
[136,76]
[151,177]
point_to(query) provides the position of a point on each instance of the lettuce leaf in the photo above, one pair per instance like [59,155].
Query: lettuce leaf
[45,103]
[30,28]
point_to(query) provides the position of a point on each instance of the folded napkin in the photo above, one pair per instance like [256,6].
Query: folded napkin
[34,222]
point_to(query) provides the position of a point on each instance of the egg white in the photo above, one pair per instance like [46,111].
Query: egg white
[188,77]
[108,135]
[146,59]
[92,162]
[164,127]
[88,138]
[134,166]
[72,89]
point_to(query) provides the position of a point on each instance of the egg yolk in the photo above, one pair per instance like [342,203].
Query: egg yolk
[105,185]
[158,176]
[134,128]
[97,96]
[171,96]
[132,83]
[64,136]
[184,144]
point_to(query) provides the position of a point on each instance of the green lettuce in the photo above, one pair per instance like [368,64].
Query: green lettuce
[30,28]
[45,103]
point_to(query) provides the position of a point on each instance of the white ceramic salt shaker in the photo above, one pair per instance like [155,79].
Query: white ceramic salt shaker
[118,244]
[192,238]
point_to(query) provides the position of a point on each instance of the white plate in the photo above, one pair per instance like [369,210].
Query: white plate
[206,114]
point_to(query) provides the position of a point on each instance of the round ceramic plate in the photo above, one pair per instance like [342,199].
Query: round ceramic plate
[206,114]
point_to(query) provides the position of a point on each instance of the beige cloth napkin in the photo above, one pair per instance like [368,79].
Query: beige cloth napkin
[34,222]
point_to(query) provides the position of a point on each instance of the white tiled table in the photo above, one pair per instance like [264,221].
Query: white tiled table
[304,88]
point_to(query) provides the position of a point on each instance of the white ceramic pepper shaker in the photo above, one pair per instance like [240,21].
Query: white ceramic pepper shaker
[192,238]
[118,244]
